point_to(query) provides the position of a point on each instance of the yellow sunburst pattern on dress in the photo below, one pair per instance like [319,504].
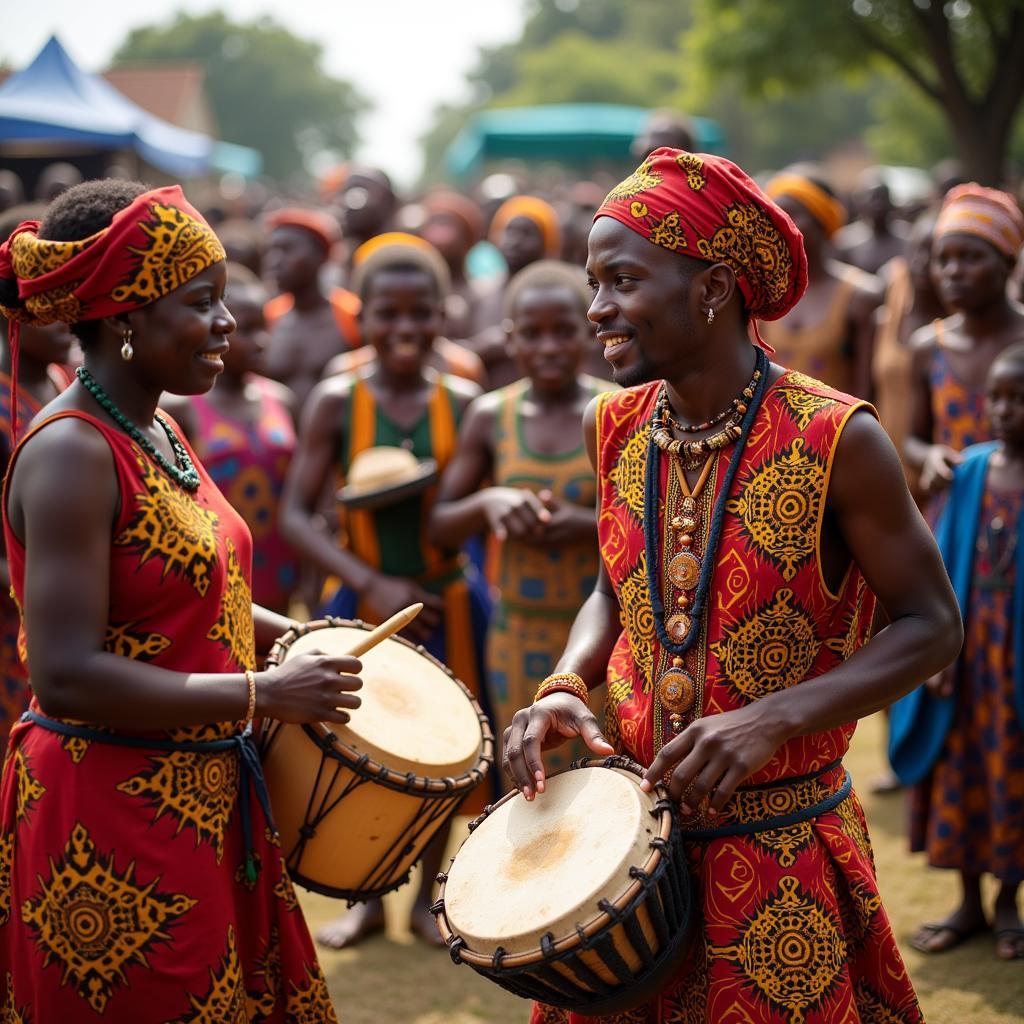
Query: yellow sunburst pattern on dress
[874,1009]
[638,618]
[10,1012]
[268,967]
[630,470]
[225,1001]
[29,789]
[285,891]
[310,1003]
[96,922]
[790,951]
[778,506]
[6,860]
[234,627]
[127,641]
[198,790]
[784,843]
[771,649]
[170,526]
[642,179]
[804,405]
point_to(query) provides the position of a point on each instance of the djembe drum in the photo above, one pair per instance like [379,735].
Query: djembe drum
[581,898]
[356,804]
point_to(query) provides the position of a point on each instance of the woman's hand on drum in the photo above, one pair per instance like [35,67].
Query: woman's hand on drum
[712,756]
[311,687]
[387,595]
[557,717]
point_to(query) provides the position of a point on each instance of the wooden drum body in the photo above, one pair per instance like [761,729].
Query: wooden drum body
[581,898]
[356,804]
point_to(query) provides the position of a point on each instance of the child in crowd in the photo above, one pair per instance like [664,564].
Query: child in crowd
[386,561]
[526,440]
[243,430]
[960,738]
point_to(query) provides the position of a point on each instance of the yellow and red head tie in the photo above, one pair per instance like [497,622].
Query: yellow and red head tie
[985,213]
[825,209]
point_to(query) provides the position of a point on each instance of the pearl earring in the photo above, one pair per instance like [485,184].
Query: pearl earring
[711,315]
[127,352]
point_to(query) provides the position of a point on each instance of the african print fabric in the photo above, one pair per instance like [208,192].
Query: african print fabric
[393,540]
[248,462]
[958,409]
[124,895]
[541,589]
[793,927]
[968,812]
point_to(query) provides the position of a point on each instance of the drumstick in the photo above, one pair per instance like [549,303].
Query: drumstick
[397,621]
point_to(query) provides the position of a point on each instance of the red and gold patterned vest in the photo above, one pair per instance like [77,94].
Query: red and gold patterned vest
[771,620]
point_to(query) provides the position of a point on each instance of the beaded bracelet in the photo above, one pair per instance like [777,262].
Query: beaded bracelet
[563,682]
[250,711]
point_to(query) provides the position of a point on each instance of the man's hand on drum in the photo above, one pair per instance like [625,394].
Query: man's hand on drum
[712,756]
[552,720]
[387,595]
[311,687]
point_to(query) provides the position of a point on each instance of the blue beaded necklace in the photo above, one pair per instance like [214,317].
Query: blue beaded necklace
[185,474]
[718,512]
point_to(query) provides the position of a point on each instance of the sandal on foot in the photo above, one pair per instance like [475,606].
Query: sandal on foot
[958,936]
[1012,940]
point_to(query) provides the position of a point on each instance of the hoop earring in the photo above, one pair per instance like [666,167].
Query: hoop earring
[127,352]
[711,315]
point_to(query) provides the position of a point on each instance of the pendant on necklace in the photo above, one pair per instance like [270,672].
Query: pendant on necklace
[677,690]
[677,626]
[684,570]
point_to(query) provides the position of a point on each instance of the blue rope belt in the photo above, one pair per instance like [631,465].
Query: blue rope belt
[250,774]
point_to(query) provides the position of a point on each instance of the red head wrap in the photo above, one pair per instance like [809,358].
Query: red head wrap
[154,245]
[322,226]
[705,207]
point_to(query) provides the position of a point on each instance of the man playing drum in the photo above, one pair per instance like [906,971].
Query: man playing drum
[748,516]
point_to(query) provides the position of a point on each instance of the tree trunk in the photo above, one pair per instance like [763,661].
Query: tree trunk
[981,145]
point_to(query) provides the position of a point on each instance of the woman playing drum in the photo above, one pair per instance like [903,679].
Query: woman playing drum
[140,875]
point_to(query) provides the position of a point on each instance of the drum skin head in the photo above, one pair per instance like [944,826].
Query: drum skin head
[413,717]
[536,866]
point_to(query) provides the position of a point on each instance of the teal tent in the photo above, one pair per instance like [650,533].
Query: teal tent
[572,133]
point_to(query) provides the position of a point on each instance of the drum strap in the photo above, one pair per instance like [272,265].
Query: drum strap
[250,776]
[778,804]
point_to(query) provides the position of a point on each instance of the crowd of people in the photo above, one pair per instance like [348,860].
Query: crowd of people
[295,348]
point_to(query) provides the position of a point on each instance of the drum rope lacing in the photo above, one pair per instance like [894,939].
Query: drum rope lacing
[250,775]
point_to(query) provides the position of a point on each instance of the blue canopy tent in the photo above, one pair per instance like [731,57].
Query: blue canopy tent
[54,101]
[571,133]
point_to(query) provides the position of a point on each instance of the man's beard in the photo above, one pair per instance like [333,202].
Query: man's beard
[643,371]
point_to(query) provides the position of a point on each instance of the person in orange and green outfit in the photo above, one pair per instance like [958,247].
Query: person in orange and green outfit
[386,561]
[141,875]
[747,517]
[526,440]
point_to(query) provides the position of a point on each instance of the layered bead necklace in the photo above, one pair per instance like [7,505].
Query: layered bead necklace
[689,573]
[184,474]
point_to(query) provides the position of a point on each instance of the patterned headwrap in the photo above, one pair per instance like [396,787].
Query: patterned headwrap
[322,226]
[705,207]
[151,247]
[825,209]
[541,213]
[154,245]
[984,212]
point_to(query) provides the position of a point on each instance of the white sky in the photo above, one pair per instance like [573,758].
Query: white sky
[405,55]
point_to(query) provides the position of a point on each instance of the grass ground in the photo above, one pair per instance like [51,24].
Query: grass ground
[392,979]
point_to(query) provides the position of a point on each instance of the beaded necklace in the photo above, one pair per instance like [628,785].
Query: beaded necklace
[187,476]
[686,625]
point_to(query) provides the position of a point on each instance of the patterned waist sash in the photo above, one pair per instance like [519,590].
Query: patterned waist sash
[776,804]
[250,775]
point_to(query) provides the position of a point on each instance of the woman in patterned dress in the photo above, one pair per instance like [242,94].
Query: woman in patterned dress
[140,875]
[978,236]
[527,441]
[961,738]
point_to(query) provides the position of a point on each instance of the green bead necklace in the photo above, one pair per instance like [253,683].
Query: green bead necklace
[187,476]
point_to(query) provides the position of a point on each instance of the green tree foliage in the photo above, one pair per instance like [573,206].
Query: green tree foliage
[266,86]
[965,58]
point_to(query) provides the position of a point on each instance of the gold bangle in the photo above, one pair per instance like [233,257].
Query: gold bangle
[563,682]
[250,711]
